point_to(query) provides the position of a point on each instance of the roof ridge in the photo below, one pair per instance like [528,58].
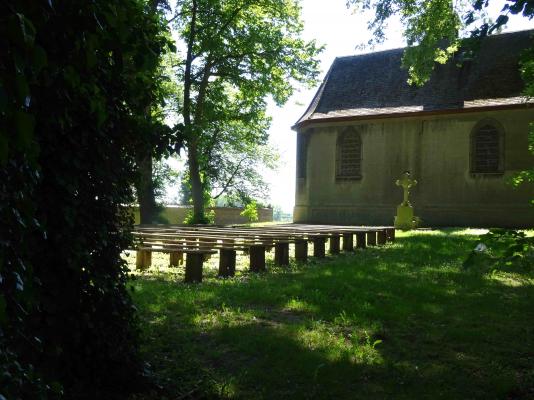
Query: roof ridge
[359,83]
[369,53]
[404,48]
[316,98]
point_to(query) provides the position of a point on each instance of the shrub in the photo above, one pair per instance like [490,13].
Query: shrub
[504,249]
[251,211]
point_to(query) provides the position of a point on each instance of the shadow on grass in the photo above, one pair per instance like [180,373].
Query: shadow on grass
[403,321]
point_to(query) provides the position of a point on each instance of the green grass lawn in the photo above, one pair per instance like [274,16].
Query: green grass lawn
[403,321]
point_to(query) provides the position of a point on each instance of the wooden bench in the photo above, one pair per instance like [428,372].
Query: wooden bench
[227,256]
[195,258]
[207,240]
[279,242]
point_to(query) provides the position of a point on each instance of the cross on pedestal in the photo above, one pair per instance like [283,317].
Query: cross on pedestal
[406,183]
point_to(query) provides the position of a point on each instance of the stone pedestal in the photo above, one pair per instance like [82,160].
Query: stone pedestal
[404,219]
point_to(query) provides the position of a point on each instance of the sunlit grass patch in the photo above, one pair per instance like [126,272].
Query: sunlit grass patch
[402,321]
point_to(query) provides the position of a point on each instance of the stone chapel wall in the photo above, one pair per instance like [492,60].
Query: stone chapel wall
[437,152]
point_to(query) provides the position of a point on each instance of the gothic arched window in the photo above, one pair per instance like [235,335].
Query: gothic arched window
[487,148]
[349,155]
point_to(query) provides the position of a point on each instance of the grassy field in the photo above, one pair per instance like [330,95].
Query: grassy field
[403,321]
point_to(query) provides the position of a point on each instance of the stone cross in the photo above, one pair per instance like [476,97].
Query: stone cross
[406,183]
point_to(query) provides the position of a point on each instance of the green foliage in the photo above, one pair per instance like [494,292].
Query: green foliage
[527,176]
[251,211]
[163,176]
[76,79]
[234,163]
[237,53]
[503,249]
[208,218]
[527,72]
[433,28]
[431,31]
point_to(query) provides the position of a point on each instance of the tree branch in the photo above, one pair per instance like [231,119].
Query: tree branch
[229,181]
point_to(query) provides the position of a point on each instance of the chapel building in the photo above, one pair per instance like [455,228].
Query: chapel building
[463,136]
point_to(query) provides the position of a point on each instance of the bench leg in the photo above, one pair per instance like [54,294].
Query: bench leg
[227,263]
[319,247]
[193,267]
[257,258]
[391,234]
[301,251]
[143,259]
[281,254]
[360,240]
[382,237]
[176,258]
[334,245]
[348,242]
[371,238]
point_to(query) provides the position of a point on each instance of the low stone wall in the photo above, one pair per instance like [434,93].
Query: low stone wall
[223,215]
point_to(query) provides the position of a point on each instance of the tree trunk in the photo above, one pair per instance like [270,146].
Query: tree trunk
[145,189]
[192,148]
[196,184]
[146,197]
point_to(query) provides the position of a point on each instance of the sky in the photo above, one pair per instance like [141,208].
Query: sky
[340,30]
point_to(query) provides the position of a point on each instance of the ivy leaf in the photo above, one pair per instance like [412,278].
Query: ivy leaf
[3,312]
[21,30]
[501,20]
[3,98]
[19,282]
[40,59]
[24,124]
[22,87]
[4,147]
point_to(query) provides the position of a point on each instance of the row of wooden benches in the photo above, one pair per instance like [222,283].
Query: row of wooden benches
[198,243]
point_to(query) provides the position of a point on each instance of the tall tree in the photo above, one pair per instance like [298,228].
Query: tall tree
[237,53]
[235,152]
[163,140]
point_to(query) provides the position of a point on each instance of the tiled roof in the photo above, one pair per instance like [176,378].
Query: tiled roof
[374,84]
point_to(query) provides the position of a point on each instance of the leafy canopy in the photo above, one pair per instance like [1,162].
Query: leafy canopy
[433,28]
[239,52]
